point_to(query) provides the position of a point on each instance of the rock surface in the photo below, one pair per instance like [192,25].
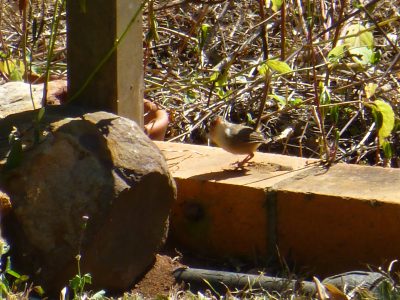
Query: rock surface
[97,165]
[15,96]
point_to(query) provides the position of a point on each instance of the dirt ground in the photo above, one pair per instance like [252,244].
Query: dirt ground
[159,280]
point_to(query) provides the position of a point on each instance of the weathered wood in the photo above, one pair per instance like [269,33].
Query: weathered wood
[201,279]
[220,280]
[94,26]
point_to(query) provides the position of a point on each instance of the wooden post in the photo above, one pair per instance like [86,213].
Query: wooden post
[93,28]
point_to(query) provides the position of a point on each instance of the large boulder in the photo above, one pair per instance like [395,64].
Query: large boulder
[95,168]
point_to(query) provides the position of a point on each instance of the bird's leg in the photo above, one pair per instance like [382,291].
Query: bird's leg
[246,160]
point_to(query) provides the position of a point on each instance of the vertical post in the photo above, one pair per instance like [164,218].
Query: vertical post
[93,28]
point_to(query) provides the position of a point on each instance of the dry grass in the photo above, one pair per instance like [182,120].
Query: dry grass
[179,74]
[39,17]
[181,68]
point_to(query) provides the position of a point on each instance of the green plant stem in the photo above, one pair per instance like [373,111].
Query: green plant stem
[24,42]
[78,263]
[24,52]
[54,28]
[318,115]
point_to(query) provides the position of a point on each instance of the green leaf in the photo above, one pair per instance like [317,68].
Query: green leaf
[24,278]
[278,66]
[87,278]
[334,113]
[360,43]
[14,156]
[190,96]
[3,55]
[384,118]
[221,93]
[362,55]
[205,29]
[276,5]
[282,101]
[13,273]
[370,89]
[249,118]
[4,247]
[38,289]
[263,69]
[356,36]
[16,75]
[296,101]
[214,76]
[4,288]
[204,32]
[75,282]
[279,99]
[375,57]
[13,68]
[220,78]
[387,149]
[336,53]
[325,97]
[8,264]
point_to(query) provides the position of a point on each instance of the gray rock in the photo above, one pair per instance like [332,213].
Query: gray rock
[16,96]
[92,164]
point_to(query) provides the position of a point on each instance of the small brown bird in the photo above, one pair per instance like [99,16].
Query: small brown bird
[236,138]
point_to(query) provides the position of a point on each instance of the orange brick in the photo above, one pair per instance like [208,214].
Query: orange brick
[324,221]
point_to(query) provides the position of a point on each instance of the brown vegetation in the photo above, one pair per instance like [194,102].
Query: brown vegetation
[203,58]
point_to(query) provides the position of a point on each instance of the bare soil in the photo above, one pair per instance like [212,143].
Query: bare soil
[159,280]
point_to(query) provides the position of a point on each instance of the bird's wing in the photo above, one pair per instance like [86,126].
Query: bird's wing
[248,135]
